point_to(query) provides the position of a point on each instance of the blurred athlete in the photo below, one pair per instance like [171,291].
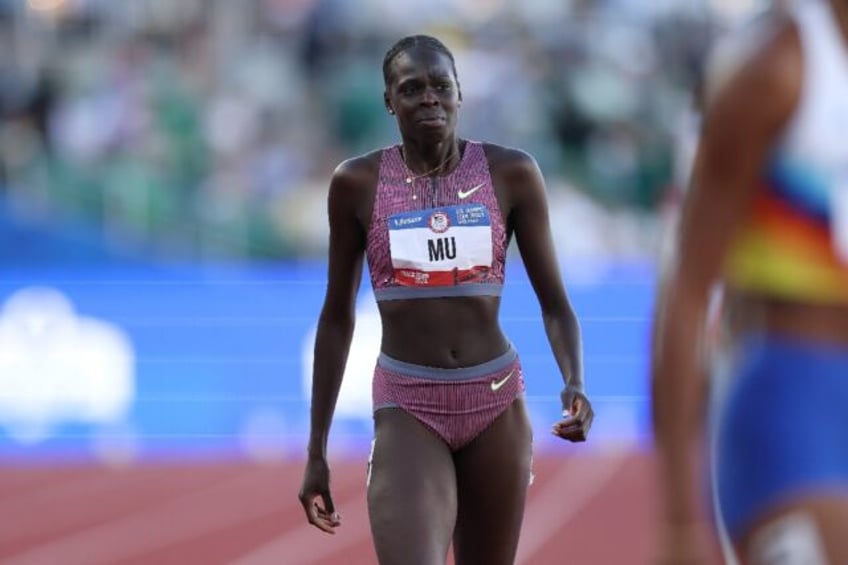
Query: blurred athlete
[434,216]
[766,217]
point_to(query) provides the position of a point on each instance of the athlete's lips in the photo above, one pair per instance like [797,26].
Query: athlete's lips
[431,120]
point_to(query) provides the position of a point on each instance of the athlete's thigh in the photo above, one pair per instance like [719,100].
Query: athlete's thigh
[493,473]
[411,491]
[809,531]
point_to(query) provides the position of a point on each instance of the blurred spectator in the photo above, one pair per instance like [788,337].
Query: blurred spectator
[205,129]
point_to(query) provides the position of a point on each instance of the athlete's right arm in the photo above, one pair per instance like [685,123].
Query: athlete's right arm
[334,334]
[335,324]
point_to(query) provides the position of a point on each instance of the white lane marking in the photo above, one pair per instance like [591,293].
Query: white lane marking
[562,497]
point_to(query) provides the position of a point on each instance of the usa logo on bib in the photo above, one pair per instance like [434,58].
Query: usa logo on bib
[441,246]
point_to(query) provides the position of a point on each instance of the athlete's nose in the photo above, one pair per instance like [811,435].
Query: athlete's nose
[429,97]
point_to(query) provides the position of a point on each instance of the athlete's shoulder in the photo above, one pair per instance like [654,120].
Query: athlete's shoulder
[358,169]
[763,57]
[509,161]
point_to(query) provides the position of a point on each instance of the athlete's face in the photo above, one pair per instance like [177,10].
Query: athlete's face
[423,93]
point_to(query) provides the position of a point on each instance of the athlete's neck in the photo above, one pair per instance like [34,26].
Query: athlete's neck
[431,159]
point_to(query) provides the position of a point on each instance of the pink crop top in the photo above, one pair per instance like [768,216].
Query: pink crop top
[436,236]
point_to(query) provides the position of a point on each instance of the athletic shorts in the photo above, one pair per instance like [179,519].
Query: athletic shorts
[457,404]
[783,428]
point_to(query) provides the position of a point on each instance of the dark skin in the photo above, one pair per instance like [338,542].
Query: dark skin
[428,496]
[741,125]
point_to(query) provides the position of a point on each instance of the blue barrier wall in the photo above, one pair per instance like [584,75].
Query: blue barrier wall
[213,360]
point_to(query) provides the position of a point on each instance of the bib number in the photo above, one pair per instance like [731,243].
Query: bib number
[441,246]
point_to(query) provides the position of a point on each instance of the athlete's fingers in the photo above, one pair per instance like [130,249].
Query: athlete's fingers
[577,406]
[576,435]
[582,409]
[313,511]
[585,418]
[568,425]
[571,434]
[578,415]
[568,430]
[319,516]
[329,507]
[576,427]
[331,519]
[568,419]
[325,524]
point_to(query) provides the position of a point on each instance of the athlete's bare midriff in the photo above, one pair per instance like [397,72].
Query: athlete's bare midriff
[443,332]
[749,313]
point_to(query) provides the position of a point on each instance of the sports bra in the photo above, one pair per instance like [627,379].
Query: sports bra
[795,243]
[437,236]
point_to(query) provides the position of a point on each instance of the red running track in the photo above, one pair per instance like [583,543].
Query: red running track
[592,509]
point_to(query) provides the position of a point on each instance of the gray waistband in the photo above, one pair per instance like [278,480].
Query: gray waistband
[439,373]
[469,289]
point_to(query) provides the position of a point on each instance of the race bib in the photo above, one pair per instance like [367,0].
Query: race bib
[839,220]
[441,246]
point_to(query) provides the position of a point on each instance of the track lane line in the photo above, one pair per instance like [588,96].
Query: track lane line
[203,512]
[560,500]
[305,545]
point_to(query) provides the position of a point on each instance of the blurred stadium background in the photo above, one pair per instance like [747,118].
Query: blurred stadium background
[163,171]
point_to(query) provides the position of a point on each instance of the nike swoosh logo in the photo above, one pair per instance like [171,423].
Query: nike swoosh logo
[496,385]
[463,194]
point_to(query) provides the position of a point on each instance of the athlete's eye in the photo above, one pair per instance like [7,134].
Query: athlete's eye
[408,88]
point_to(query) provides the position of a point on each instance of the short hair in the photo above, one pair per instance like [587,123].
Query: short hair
[413,41]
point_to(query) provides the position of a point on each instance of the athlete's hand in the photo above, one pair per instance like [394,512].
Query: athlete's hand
[315,496]
[577,416]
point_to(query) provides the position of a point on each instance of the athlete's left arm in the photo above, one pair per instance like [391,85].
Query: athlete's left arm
[742,123]
[530,222]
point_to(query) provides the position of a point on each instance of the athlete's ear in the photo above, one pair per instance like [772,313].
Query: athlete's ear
[387,103]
